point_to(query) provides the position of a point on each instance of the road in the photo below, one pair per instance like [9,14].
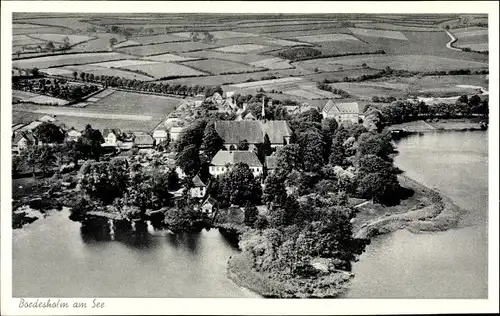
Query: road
[452,40]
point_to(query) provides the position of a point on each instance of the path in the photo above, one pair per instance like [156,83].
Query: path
[452,40]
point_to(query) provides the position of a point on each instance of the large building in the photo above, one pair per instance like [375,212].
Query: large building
[234,132]
[343,113]
[224,160]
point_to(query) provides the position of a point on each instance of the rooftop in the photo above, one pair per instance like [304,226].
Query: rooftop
[224,157]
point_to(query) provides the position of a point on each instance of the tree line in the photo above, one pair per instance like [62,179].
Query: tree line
[58,88]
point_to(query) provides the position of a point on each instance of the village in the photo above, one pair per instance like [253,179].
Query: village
[240,136]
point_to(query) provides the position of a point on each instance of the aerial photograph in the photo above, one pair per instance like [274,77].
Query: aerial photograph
[230,155]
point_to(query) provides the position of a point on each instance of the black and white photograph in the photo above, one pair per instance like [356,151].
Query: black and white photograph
[228,154]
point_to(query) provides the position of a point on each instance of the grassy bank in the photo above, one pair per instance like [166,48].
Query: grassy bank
[462,124]
[426,210]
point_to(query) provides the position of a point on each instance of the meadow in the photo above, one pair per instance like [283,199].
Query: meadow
[67,59]
[159,70]
[217,66]
[157,49]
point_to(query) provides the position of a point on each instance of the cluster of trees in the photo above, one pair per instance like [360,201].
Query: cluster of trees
[299,53]
[58,88]
[404,111]
[139,85]
[377,99]
[324,86]
[52,152]
[207,37]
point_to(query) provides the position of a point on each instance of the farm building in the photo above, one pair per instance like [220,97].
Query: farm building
[292,109]
[209,206]
[143,141]
[22,140]
[233,132]
[224,159]
[110,137]
[199,99]
[306,107]
[173,120]
[199,188]
[343,113]
[217,98]
[175,131]
[160,135]
[47,118]
[72,135]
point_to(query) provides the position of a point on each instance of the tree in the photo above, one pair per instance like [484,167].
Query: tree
[106,181]
[191,135]
[35,72]
[18,53]
[311,115]
[91,142]
[50,46]
[274,189]
[189,160]
[380,187]
[268,150]
[38,157]
[75,74]
[49,133]
[66,44]
[312,148]
[251,215]
[243,145]
[379,144]
[337,153]
[463,99]
[238,186]
[113,41]
[212,142]
[288,158]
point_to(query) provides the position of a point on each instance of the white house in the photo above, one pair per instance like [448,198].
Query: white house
[199,99]
[224,160]
[343,113]
[175,131]
[199,188]
[73,135]
[110,137]
[209,206]
[160,135]
[217,98]
[22,141]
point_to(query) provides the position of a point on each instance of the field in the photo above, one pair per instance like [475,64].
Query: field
[67,59]
[397,27]
[25,96]
[218,34]
[212,54]
[157,39]
[379,33]
[59,38]
[162,70]
[168,58]
[405,62]
[126,44]
[19,40]
[272,63]
[473,38]
[267,83]
[240,48]
[326,38]
[158,49]
[103,71]
[123,63]
[216,66]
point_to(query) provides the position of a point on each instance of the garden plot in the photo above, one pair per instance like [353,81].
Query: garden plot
[379,33]
[123,63]
[326,38]
[272,63]
[218,34]
[59,38]
[240,48]
[164,70]
[67,59]
[158,49]
[166,58]
[216,66]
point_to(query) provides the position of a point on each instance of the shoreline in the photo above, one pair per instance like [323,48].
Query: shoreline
[445,125]
[440,213]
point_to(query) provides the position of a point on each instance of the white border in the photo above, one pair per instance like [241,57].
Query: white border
[252,306]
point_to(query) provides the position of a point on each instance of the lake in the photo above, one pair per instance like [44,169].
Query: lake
[450,264]
[51,259]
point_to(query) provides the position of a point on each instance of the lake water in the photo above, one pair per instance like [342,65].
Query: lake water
[51,259]
[450,264]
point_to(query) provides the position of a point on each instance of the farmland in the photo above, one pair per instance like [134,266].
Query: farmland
[286,57]
[216,66]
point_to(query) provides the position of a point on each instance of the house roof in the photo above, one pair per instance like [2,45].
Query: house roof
[224,157]
[160,133]
[144,139]
[197,182]
[232,132]
[46,118]
[271,162]
[107,131]
[210,200]
[31,126]
[199,97]
[345,108]
[28,136]
[176,129]
[249,116]
[276,131]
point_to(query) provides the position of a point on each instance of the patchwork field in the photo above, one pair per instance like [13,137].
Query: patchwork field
[327,38]
[379,33]
[397,27]
[158,49]
[123,63]
[168,58]
[272,63]
[157,39]
[473,38]
[103,71]
[67,59]
[212,54]
[36,98]
[216,66]
[19,40]
[126,44]
[218,34]
[164,70]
